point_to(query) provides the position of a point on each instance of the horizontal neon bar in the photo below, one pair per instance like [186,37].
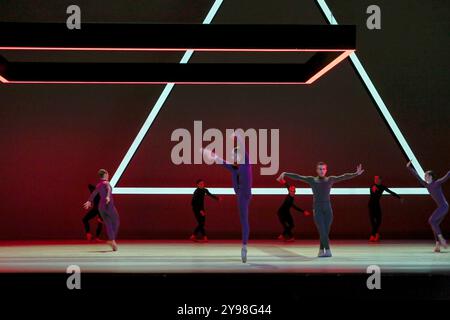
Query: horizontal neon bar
[260,191]
[4,80]
[167,49]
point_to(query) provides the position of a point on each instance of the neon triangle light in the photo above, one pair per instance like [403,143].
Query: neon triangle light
[265,191]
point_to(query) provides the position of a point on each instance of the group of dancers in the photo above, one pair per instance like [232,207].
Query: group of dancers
[241,174]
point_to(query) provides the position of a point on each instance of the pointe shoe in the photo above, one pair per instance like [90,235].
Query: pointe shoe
[203,239]
[291,239]
[88,236]
[281,237]
[377,237]
[193,238]
[113,245]
[442,241]
[244,254]
[371,239]
[437,248]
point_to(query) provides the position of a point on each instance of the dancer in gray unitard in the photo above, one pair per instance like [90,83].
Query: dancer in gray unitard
[323,213]
[434,187]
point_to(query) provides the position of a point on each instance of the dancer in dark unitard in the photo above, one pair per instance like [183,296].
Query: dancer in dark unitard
[241,174]
[323,213]
[434,187]
[284,213]
[106,207]
[376,191]
[93,214]
[198,206]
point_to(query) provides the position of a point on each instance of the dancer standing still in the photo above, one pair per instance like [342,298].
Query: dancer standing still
[376,191]
[106,207]
[92,214]
[434,187]
[241,174]
[323,213]
[284,213]
[198,206]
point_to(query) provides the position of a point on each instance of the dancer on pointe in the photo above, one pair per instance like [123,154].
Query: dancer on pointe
[284,213]
[198,206]
[93,214]
[241,174]
[106,207]
[323,213]
[376,190]
[434,187]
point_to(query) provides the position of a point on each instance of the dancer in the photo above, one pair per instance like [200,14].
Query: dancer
[323,213]
[106,207]
[241,174]
[284,213]
[434,187]
[198,206]
[376,190]
[92,214]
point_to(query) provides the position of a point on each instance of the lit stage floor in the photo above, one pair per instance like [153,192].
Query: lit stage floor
[222,257]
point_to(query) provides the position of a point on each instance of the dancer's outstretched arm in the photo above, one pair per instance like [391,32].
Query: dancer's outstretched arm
[211,195]
[294,176]
[444,178]
[346,176]
[88,203]
[415,174]
[213,156]
[391,192]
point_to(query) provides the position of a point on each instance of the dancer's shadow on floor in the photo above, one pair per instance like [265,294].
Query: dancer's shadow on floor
[285,254]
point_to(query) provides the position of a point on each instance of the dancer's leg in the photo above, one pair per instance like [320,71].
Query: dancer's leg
[320,225]
[289,226]
[328,220]
[435,221]
[111,222]
[115,222]
[99,228]
[373,220]
[198,217]
[437,217]
[89,216]
[243,203]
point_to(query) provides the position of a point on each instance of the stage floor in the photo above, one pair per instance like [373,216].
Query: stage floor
[222,257]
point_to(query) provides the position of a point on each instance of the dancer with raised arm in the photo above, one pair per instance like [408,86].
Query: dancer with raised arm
[376,191]
[284,213]
[434,187]
[106,207]
[241,175]
[323,213]
[198,206]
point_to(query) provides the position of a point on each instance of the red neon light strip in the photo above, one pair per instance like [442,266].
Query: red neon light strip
[169,49]
[135,83]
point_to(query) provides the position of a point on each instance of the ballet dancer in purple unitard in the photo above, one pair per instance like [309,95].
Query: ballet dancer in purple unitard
[434,187]
[106,207]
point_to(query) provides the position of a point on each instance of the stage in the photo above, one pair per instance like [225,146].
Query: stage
[300,257]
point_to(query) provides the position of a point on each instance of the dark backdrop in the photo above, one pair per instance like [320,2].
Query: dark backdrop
[53,138]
